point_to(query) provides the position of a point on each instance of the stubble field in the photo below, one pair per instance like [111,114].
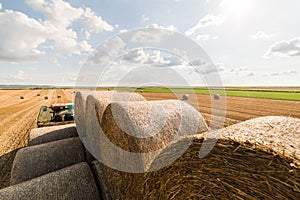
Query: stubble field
[18,116]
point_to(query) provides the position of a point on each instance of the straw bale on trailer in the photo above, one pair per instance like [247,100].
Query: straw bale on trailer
[37,160]
[79,111]
[150,126]
[142,127]
[52,133]
[97,168]
[256,159]
[100,100]
[74,182]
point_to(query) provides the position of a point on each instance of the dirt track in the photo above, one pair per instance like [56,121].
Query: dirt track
[18,116]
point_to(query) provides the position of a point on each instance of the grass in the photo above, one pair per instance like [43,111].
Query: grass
[251,93]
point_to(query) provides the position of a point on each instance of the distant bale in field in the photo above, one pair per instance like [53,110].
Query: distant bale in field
[58,96]
[21,97]
[38,95]
[185,97]
[248,161]
[216,96]
[46,97]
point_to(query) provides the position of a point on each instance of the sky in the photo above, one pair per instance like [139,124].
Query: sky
[250,42]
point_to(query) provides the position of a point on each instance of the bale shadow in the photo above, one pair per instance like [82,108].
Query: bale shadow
[6,162]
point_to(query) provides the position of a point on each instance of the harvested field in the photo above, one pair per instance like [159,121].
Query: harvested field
[18,117]
[239,109]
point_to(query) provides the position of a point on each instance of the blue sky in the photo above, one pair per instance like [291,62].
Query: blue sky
[252,42]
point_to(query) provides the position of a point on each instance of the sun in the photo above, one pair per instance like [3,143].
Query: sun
[236,8]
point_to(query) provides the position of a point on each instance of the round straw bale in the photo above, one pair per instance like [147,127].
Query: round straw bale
[216,96]
[52,133]
[185,97]
[37,160]
[240,166]
[79,112]
[74,182]
[149,126]
[21,97]
[97,168]
[230,170]
[103,99]
[158,122]
[278,134]
[46,97]
[94,141]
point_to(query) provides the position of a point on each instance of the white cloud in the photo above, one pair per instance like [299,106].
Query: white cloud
[107,51]
[238,70]
[152,34]
[261,35]
[95,23]
[208,20]
[26,39]
[288,73]
[153,58]
[0,6]
[285,48]
[206,37]
[145,18]
[87,34]
[170,27]
[123,31]
[20,75]
[251,74]
[21,37]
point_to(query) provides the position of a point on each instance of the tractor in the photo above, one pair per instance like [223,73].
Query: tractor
[56,114]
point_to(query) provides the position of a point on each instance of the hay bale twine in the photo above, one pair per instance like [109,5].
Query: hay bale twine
[31,162]
[185,97]
[216,96]
[172,120]
[52,133]
[240,166]
[74,182]
[21,97]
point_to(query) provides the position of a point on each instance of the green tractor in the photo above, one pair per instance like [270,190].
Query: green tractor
[56,114]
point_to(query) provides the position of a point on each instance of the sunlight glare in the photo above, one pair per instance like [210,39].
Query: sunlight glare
[236,8]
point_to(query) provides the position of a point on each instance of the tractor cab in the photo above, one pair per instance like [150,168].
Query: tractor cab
[56,114]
